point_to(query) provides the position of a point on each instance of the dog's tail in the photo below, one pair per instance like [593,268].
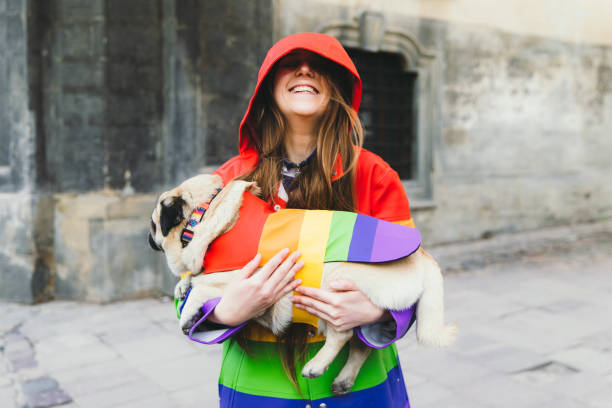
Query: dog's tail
[430,310]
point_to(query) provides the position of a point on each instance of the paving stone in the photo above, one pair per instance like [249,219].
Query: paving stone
[66,341]
[502,392]
[5,381]
[599,399]
[122,394]
[47,399]
[160,401]
[99,377]
[158,348]
[445,369]
[196,397]
[7,397]
[560,403]
[577,385]
[38,385]
[507,359]
[79,357]
[458,400]
[16,347]
[428,393]
[21,362]
[584,358]
[193,371]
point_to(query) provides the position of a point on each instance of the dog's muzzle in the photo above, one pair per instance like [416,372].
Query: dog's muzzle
[154,245]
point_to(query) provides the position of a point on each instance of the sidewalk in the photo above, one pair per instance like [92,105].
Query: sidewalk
[532,309]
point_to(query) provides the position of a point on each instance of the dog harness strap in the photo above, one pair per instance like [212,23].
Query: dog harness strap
[194,219]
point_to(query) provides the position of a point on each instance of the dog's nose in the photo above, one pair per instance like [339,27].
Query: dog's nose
[153,244]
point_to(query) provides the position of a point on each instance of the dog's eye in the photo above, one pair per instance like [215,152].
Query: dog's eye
[153,228]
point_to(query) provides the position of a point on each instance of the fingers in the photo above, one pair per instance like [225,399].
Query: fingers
[343,285]
[272,264]
[290,287]
[285,271]
[315,293]
[318,313]
[308,303]
[250,267]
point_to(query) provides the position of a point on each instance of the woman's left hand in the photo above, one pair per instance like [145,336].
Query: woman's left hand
[343,308]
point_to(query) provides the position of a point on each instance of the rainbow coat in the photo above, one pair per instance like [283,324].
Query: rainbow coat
[257,378]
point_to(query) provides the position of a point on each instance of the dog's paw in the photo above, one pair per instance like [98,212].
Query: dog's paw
[181,288]
[341,387]
[193,258]
[187,323]
[311,370]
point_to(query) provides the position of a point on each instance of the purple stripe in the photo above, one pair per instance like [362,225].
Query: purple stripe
[394,241]
[404,319]
[207,309]
[391,393]
[362,240]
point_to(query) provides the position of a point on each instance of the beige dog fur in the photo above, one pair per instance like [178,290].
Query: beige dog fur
[392,285]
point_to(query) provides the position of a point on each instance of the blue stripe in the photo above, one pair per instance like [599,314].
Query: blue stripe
[391,393]
[362,240]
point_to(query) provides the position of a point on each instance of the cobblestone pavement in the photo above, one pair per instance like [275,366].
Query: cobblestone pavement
[533,313]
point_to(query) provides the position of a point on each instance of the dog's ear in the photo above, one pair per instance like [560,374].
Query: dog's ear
[171,214]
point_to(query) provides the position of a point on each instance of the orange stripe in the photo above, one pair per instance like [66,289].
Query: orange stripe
[407,223]
[276,235]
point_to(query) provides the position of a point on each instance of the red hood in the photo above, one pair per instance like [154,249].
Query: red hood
[322,44]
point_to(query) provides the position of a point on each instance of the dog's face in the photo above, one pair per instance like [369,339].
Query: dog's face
[171,211]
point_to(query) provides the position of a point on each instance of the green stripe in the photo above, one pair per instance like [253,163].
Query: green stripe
[340,234]
[261,372]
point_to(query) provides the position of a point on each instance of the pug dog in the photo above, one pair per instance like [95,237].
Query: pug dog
[394,285]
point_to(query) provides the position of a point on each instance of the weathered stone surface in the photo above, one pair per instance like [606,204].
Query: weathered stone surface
[101,248]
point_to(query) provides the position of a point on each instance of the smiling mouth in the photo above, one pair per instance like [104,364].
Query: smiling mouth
[304,89]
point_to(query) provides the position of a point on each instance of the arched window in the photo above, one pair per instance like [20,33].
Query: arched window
[387,109]
[401,97]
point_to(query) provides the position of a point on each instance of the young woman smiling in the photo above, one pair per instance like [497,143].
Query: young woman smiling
[300,140]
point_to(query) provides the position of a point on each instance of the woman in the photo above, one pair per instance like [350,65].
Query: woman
[300,140]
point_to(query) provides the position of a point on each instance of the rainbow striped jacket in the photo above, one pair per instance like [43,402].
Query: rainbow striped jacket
[320,236]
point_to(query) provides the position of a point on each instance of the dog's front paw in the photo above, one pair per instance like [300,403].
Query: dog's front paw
[191,314]
[181,288]
[311,370]
[193,258]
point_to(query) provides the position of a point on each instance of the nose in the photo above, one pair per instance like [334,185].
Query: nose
[304,69]
[153,244]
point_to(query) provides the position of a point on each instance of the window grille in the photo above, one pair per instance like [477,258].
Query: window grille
[387,111]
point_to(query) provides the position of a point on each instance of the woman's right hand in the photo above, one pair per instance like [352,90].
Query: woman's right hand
[248,295]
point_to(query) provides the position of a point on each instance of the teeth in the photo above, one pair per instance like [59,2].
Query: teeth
[304,88]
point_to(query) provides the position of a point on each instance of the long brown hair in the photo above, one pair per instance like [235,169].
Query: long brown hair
[340,134]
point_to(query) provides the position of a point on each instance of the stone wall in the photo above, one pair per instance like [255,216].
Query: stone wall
[105,103]
[108,103]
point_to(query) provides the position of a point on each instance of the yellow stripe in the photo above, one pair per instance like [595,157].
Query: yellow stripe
[407,223]
[312,243]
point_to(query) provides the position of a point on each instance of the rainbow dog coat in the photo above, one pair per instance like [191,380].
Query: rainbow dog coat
[320,236]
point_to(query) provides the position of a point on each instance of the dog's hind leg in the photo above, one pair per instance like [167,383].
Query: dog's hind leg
[333,344]
[430,309]
[345,380]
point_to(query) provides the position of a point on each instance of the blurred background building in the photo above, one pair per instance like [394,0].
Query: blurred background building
[497,115]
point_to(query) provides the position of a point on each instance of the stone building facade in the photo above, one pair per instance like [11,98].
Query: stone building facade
[105,103]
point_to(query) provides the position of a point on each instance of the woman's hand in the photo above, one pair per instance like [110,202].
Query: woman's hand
[249,295]
[344,308]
